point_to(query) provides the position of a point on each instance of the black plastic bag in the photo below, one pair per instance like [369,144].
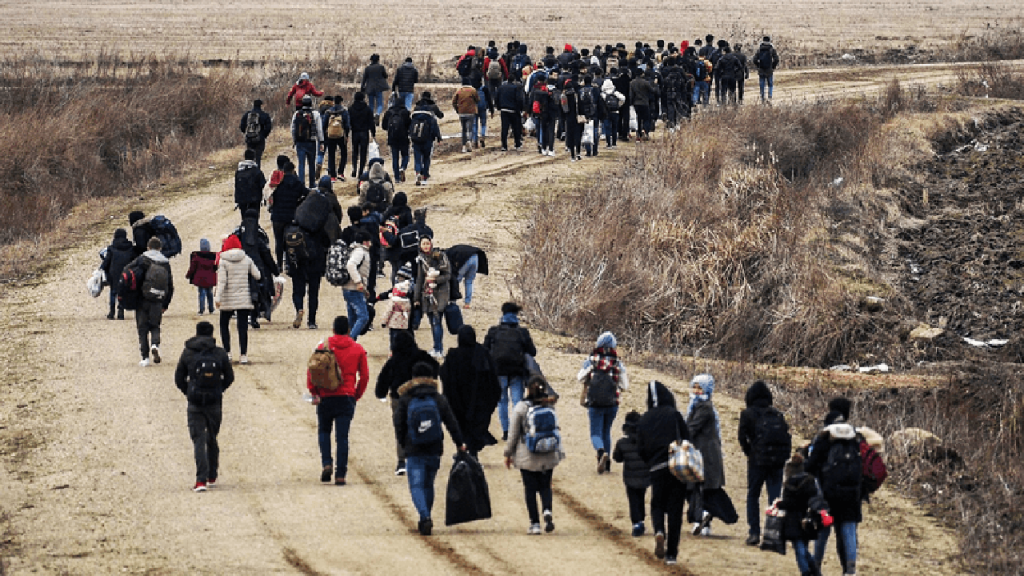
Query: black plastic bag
[772,537]
[468,498]
[453,318]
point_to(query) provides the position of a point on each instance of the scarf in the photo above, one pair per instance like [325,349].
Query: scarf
[696,399]
[605,360]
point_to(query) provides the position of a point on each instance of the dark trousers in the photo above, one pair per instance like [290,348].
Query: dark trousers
[597,136]
[667,498]
[243,329]
[757,476]
[637,510]
[258,149]
[511,121]
[624,123]
[147,321]
[535,483]
[573,135]
[360,146]
[421,157]
[245,206]
[335,412]
[203,427]
[739,89]
[279,242]
[300,281]
[728,90]
[400,451]
[643,120]
[335,147]
[719,93]
[399,159]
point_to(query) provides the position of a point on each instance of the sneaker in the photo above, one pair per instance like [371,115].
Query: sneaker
[659,545]
[144,363]
[353,173]
[401,175]
[325,474]
[504,149]
[504,436]
[706,531]
[419,179]
[341,177]
[311,326]
[638,529]
[695,530]
[154,353]
[465,149]
[670,560]
[518,148]
[574,159]
[602,461]
[255,324]
[400,469]
[549,526]
[298,319]
[425,526]
[199,487]
[534,530]
[753,540]
[243,359]
[339,482]
[704,526]
[110,315]
[211,482]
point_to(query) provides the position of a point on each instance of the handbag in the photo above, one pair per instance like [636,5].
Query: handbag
[772,537]
[529,125]
[453,318]
[685,462]
[373,150]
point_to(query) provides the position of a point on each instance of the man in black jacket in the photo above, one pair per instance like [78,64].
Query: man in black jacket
[256,126]
[508,344]
[249,183]
[511,100]
[120,252]
[363,127]
[397,371]
[422,455]
[204,409]
[761,471]
[406,77]
[729,70]
[157,290]
[283,202]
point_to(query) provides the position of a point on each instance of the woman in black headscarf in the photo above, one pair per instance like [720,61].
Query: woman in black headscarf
[472,389]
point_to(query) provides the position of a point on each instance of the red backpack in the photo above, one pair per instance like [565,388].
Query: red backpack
[872,466]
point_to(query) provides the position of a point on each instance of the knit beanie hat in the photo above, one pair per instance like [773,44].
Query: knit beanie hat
[204,245]
[230,243]
[120,233]
[405,271]
[135,216]
[421,369]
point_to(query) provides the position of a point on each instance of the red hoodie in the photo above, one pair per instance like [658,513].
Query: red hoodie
[351,359]
[300,89]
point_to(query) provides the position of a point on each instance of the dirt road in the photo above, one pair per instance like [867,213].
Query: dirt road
[97,465]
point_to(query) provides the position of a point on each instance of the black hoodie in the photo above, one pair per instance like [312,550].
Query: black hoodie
[758,399]
[120,252]
[398,369]
[471,387]
[193,346]
[361,118]
[635,472]
[660,426]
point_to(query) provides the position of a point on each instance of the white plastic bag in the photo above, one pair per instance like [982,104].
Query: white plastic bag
[279,283]
[529,125]
[373,151]
[95,283]
[632,119]
[588,134]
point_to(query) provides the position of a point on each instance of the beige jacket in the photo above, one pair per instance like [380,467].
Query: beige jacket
[232,291]
[516,447]
[358,267]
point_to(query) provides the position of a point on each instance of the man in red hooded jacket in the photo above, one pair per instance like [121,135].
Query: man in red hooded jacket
[335,408]
[300,89]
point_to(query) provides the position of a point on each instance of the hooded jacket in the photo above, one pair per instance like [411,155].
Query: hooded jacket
[249,183]
[608,87]
[398,369]
[375,78]
[399,209]
[361,117]
[120,252]
[141,232]
[376,173]
[299,90]
[758,399]
[358,267]
[772,55]
[661,425]
[233,277]
[400,136]
[432,303]
[286,198]
[635,472]
[318,126]
[702,423]
[155,258]
[193,346]
[845,509]
[406,77]
[510,322]
[471,387]
[202,269]
[266,124]
[516,446]
[419,387]
[511,98]
[355,373]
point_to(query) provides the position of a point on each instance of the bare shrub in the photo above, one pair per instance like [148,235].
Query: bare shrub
[992,79]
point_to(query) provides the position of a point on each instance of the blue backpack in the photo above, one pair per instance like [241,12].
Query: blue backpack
[424,421]
[542,434]
[168,235]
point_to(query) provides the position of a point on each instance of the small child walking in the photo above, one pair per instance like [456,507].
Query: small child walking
[400,308]
[635,473]
[805,513]
[202,273]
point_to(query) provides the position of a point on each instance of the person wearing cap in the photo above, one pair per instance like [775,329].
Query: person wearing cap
[249,183]
[302,87]
[422,149]
[307,135]
[256,119]
[374,84]
[204,410]
[406,77]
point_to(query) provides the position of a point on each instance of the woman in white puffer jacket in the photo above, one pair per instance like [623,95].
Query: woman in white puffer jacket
[233,296]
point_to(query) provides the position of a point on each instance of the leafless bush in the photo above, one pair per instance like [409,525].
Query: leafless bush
[992,79]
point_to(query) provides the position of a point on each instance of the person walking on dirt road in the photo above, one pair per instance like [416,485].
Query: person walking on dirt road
[472,389]
[203,374]
[235,271]
[156,292]
[764,438]
[302,88]
[766,60]
[406,77]
[509,344]
[307,135]
[397,371]
[418,419]
[364,125]
[374,84]
[249,183]
[336,408]
[256,126]
[603,377]
[536,467]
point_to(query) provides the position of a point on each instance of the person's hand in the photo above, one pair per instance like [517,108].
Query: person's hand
[508,462]
[316,400]
[217,304]
[462,447]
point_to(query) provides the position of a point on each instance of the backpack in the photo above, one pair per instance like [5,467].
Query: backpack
[564,101]
[129,290]
[494,70]
[395,126]
[336,125]
[304,130]
[536,107]
[507,349]
[376,195]
[772,440]
[337,263]
[518,63]
[206,381]
[842,473]
[163,229]
[542,436]
[700,70]
[611,101]
[419,130]
[155,282]
[312,213]
[585,106]
[323,368]
[873,469]
[602,391]
[252,128]
[423,419]
[465,66]
[295,246]
[763,60]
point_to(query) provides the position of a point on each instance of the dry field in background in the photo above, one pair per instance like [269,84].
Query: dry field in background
[292,30]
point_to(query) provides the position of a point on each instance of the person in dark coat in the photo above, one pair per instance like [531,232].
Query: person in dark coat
[660,426]
[364,125]
[283,202]
[397,371]
[375,83]
[635,473]
[256,245]
[467,261]
[310,272]
[398,137]
[511,102]
[141,232]
[706,435]
[798,492]
[406,77]
[120,252]
[760,472]
[258,142]
[729,71]
[511,371]
[472,389]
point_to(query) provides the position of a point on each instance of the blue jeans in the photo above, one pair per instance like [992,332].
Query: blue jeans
[399,159]
[763,80]
[306,152]
[407,98]
[437,331]
[376,102]
[421,471]
[611,129]
[205,296]
[846,545]
[545,132]
[771,478]
[468,272]
[480,126]
[700,92]
[511,389]
[355,302]
[803,556]
[601,427]
[336,411]
[421,157]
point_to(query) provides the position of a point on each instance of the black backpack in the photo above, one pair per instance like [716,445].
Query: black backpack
[465,66]
[156,282]
[305,129]
[772,440]
[842,473]
[312,213]
[247,185]
[170,241]
[602,391]
[508,349]
[206,380]
[253,128]
[763,60]
[396,126]
[419,130]
[585,104]
[376,194]
[611,102]
[518,63]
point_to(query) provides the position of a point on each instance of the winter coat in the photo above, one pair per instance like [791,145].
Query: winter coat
[358,267]
[608,87]
[409,254]
[465,100]
[376,172]
[318,128]
[660,426]
[202,269]
[233,280]
[635,472]
[300,89]
[193,346]
[398,369]
[516,447]
[458,254]
[846,509]
[434,131]
[406,77]
[351,358]
[286,198]
[375,79]
[141,233]
[642,92]
[729,67]
[704,437]
[417,388]
[266,124]
[510,321]
[797,492]
[120,252]
[400,137]
[510,98]
[471,387]
[155,258]
[430,106]
[772,55]
[361,118]
[622,85]
[758,399]
[249,183]
[400,210]
[432,304]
